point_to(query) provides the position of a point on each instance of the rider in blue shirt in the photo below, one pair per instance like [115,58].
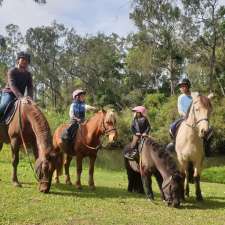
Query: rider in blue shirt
[183,103]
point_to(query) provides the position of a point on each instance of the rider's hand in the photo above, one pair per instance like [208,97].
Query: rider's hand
[144,135]
[138,134]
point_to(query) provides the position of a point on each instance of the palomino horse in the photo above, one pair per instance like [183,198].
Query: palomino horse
[29,127]
[86,143]
[189,140]
[155,161]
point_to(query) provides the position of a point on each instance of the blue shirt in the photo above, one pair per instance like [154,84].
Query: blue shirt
[78,109]
[183,104]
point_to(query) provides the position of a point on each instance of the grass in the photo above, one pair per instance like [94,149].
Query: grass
[110,203]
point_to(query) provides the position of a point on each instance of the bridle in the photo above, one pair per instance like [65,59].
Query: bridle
[196,122]
[105,131]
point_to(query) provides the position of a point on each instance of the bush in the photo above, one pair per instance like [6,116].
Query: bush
[217,121]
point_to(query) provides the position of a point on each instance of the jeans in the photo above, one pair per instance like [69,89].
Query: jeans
[6,98]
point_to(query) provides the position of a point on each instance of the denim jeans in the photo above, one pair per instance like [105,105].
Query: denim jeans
[6,98]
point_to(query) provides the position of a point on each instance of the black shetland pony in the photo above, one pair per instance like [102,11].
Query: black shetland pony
[154,160]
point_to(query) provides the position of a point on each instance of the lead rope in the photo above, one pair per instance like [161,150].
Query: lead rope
[24,145]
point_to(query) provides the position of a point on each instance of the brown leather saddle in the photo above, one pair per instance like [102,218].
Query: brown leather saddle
[9,112]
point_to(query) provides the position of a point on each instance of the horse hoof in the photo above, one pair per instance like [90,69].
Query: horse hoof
[57,181]
[17,184]
[199,198]
[150,197]
[92,187]
[79,187]
[68,182]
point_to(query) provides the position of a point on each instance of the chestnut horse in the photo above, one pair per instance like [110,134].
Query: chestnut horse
[154,160]
[86,143]
[29,128]
[189,140]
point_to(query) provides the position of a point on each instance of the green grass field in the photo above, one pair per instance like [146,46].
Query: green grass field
[110,203]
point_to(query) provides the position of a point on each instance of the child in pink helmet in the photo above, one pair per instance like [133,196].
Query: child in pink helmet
[140,127]
[76,113]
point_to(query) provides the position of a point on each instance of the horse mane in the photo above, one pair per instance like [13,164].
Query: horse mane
[205,101]
[39,123]
[167,158]
[110,116]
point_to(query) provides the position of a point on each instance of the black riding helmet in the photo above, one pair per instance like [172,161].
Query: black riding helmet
[24,55]
[184,81]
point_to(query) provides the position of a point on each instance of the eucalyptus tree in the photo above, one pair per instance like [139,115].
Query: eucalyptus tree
[46,44]
[10,44]
[208,16]
[161,20]
[101,67]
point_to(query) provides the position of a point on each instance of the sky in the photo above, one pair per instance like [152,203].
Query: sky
[85,16]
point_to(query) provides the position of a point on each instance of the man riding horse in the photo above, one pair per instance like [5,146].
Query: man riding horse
[18,80]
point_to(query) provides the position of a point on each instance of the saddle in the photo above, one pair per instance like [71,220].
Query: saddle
[174,128]
[9,112]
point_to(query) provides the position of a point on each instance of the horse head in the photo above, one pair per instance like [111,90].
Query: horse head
[44,169]
[200,110]
[109,125]
[172,189]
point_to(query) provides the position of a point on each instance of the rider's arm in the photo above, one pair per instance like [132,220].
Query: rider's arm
[12,84]
[71,114]
[148,127]
[89,107]
[134,127]
[180,107]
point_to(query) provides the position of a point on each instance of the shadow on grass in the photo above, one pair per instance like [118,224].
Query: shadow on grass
[207,203]
[100,192]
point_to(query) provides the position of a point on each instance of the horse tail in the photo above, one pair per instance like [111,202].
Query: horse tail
[134,178]
[190,172]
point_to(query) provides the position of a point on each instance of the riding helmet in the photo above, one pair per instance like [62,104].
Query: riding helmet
[140,109]
[24,55]
[78,92]
[185,81]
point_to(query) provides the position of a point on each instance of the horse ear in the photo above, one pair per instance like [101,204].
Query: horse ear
[195,94]
[210,96]
[102,109]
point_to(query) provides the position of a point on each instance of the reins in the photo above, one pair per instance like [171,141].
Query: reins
[104,132]
[23,142]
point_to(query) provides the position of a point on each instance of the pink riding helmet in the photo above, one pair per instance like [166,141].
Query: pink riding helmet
[78,92]
[140,109]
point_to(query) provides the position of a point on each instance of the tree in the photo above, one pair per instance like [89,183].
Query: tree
[161,21]
[46,45]
[208,16]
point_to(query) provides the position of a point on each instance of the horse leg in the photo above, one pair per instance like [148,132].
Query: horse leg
[79,171]
[68,159]
[15,161]
[159,180]
[182,192]
[186,183]
[198,192]
[1,144]
[147,183]
[59,168]
[91,172]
